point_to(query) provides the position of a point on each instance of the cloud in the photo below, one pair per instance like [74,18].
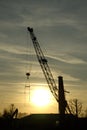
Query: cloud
[67,58]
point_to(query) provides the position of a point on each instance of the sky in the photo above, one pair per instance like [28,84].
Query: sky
[61,29]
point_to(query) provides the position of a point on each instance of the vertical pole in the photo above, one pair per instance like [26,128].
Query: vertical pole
[62,101]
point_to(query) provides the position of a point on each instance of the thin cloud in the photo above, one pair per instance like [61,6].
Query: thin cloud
[68,59]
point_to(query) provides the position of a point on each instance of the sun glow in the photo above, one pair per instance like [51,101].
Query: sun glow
[41,97]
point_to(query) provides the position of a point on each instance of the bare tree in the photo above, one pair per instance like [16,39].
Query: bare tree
[85,113]
[75,107]
[9,113]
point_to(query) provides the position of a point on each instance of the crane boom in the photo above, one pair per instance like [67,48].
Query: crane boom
[44,65]
[60,97]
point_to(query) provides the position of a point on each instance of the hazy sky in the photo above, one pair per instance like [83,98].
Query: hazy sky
[61,28]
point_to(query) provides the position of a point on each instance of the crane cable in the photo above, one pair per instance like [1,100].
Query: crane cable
[28,66]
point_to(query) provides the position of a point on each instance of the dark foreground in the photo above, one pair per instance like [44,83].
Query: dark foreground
[43,122]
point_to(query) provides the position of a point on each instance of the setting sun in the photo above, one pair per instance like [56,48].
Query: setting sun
[41,97]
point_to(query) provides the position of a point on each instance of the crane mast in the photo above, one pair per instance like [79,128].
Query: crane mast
[58,95]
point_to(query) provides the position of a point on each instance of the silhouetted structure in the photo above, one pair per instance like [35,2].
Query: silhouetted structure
[62,102]
[14,114]
[58,93]
[43,122]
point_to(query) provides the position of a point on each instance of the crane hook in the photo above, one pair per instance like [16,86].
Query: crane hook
[27,74]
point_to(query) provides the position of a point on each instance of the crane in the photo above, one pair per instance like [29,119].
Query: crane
[57,93]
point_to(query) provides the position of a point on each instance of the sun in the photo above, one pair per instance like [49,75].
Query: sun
[41,97]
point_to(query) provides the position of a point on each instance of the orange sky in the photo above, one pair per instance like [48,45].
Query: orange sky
[61,31]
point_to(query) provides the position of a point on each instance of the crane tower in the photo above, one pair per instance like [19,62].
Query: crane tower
[58,93]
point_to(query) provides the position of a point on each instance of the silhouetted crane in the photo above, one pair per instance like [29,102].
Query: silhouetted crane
[57,93]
